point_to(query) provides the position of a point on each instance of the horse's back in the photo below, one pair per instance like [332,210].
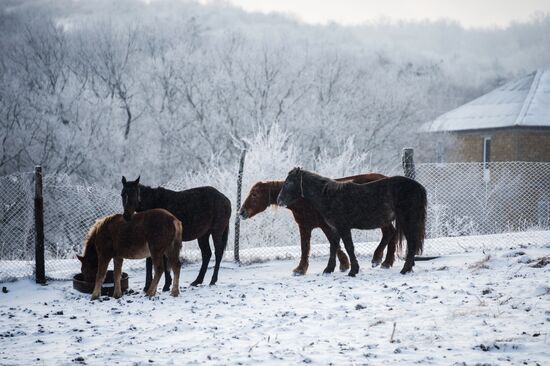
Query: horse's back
[201,209]
[362,178]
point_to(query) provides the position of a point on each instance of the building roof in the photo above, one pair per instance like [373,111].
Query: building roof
[524,102]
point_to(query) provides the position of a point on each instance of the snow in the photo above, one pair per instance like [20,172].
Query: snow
[490,308]
[524,102]
[66,268]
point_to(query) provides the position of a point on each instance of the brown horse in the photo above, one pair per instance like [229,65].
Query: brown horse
[347,205]
[153,233]
[263,194]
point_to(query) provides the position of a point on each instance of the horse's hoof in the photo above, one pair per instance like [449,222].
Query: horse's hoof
[166,288]
[195,283]
[117,295]
[406,270]
[300,270]
[151,293]
[375,263]
[343,268]
[351,274]
[386,265]
[175,293]
[213,283]
[328,270]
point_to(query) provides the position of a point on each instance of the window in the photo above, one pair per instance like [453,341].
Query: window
[486,151]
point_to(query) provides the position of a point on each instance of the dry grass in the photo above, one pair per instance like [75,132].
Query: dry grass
[482,264]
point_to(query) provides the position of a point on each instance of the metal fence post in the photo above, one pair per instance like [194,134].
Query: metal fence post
[40,267]
[408,163]
[238,206]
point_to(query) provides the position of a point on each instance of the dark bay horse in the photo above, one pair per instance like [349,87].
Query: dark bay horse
[264,194]
[154,233]
[347,205]
[204,210]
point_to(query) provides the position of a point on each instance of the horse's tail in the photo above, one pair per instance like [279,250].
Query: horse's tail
[399,238]
[175,247]
[421,217]
[413,223]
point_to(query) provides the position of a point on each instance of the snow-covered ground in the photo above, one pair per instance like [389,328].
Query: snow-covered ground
[486,308]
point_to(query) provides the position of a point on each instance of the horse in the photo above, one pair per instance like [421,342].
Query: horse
[263,194]
[204,210]
[153,233]
[347,205]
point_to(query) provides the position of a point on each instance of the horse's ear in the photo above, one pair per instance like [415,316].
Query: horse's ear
[123,180]
[137,180]
[80,258]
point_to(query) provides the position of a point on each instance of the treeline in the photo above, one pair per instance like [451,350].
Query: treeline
[102,88]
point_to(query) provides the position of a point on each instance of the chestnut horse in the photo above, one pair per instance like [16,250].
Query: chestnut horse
[347,205]
[263,194]
[153,233]
[204,210]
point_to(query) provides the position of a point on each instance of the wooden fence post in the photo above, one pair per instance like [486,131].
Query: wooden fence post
[238,206]
[40,267]
[407,160]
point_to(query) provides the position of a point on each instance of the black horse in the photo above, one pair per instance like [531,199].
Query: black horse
[204,211]
[346,205]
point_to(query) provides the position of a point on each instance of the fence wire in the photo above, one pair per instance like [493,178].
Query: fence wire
[470,205]
[16,226]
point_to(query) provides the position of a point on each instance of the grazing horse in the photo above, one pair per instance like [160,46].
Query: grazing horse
[263,194]
[154,233]
[204,210]
[347,205]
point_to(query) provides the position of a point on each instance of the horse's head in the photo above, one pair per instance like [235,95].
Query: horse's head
[130,197]
[258,199]
[88,267]
[292,188]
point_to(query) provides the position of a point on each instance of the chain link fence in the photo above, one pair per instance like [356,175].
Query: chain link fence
[470,205]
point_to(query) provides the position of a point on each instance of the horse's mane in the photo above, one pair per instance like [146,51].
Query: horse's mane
[89,242]
[329,185]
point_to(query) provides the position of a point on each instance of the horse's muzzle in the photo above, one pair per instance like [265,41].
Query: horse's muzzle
[243,215]
[281,202]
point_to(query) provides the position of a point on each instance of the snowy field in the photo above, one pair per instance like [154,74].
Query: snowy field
[475,308]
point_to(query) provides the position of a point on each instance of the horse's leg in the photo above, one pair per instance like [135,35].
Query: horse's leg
[148,273]
[206,253]
[348,243]
[342,257]
[176,267]
[379,252]
[390,253]
[334,241]
[167,277]
[158,264]
[220,241]
[173,256]
[102,265]
[305,244]
[117,274]
[409,232]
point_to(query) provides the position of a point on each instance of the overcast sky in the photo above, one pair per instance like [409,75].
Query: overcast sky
[470,13]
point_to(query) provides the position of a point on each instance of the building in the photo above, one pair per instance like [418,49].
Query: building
[510,123]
